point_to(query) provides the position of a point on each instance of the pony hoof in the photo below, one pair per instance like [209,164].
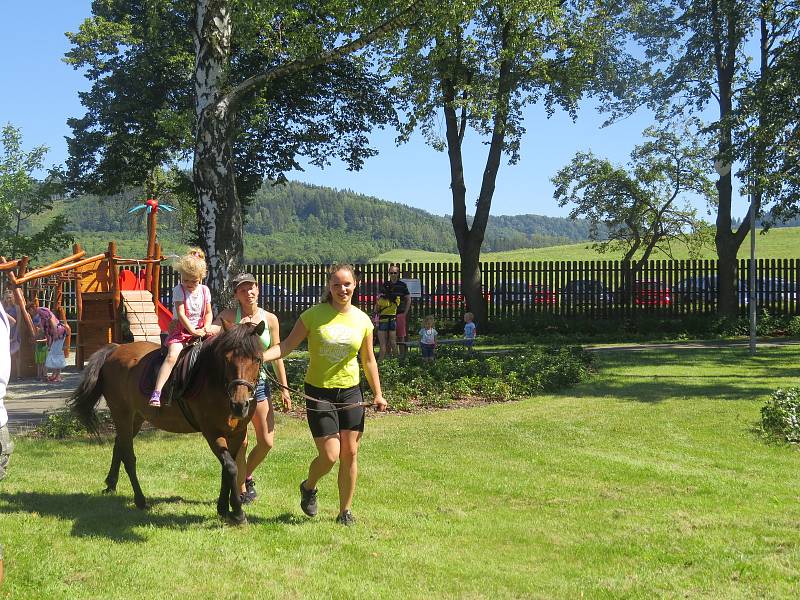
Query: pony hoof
[231,520]
[110,490]
[141,504]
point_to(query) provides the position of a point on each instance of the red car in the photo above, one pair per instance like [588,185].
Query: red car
[651,293]
[541,294]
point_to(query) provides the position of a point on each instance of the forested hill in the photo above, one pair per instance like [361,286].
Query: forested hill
[297,222]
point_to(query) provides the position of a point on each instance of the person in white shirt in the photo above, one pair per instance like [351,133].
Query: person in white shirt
[6,446]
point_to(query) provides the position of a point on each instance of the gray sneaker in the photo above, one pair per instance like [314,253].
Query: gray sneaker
[346,518]
[249,491]
[308,500]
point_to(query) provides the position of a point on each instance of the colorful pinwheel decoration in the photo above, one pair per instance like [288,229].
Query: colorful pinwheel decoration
[152,205]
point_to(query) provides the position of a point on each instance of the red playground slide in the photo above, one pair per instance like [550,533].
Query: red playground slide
[164,316]
[128,280]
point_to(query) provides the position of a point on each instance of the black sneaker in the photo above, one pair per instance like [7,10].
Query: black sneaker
[308,500]
[249,491]
[346,518]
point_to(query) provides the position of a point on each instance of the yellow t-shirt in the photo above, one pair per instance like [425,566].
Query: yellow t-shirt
[334,340]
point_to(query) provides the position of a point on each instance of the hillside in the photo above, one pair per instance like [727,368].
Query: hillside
[301,223]
[778,243]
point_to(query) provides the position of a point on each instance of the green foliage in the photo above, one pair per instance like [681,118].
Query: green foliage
[22,197]
[458,375]
[780,415]
[646,205]
[59,424]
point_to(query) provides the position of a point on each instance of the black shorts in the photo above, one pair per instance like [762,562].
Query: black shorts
[330,414]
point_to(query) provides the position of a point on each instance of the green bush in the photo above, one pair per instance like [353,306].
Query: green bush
[62,424]
[59,424]
[458,375]
[780,416]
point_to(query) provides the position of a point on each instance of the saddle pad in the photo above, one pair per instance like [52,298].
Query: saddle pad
[181,373]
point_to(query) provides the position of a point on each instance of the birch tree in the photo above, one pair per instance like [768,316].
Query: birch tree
[242,88]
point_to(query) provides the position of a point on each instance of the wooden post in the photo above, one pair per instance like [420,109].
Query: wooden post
[113,274]
[155,286]
[152,220]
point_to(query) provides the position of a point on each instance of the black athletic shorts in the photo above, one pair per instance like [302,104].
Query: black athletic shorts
[330,414]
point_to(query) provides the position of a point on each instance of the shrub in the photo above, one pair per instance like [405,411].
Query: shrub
[780,416]
[59,424]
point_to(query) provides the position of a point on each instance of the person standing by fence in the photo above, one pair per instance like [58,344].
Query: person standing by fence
[337,333]
[395,288]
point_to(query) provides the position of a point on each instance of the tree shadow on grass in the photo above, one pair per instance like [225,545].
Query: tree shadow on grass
[653,376]
[114,517]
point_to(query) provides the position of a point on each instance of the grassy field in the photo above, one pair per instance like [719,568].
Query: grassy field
[781,242]
[649,481]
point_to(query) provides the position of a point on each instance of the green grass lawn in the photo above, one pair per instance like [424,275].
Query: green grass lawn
[648,481]
[783,242]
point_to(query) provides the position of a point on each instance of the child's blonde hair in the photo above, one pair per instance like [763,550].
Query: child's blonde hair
[469,316]
[197,253]
[428,319]
[191,266]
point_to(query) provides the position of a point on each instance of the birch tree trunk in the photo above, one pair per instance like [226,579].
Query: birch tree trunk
[219,209]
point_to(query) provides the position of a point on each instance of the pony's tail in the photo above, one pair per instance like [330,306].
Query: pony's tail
[84,399]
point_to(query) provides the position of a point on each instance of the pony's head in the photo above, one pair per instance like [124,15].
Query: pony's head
[239,350]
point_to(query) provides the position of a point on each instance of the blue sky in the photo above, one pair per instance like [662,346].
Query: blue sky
[41,93]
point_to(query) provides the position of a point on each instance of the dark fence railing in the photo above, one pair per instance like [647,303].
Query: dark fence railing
[600,289]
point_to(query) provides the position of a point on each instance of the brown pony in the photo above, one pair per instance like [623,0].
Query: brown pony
[219,404]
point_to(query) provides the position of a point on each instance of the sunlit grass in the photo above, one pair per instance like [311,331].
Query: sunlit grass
[649,481]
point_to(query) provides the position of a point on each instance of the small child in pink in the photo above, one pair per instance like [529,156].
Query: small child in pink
[192,306]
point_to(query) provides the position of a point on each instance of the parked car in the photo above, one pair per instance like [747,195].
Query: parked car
[277,298]
[367,294]
[651,293]
[512,293]
[448,294]
[774,290]
[704,289]
[586,291]
[543,295]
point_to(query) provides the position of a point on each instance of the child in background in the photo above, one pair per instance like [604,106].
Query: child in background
[427,339]
[192,305]
[55,333]
[39,358]
[386,311]
[469,330]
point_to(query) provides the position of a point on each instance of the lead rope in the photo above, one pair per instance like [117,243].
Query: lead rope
[306,397]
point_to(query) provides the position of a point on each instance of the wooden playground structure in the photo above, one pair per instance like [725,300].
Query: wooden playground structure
[113,302]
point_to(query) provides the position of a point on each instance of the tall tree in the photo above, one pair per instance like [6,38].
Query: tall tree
[243,87]
[643,207]
[702,56]
[478,64]
[23,197]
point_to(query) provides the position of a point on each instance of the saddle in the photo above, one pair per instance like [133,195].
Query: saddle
[181,377]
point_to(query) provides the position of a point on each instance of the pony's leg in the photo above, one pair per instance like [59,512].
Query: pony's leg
[229,491]
[113,472]
[129,459]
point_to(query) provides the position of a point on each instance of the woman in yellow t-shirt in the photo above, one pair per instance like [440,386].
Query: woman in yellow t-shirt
[337,332]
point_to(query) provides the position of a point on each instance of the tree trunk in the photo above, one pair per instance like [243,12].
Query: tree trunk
[219,209]
[469,240]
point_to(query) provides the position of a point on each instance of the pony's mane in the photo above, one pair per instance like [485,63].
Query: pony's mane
[239,339]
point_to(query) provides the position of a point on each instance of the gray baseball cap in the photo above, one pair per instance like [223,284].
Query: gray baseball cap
[242,278]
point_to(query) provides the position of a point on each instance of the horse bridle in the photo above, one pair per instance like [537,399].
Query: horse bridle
[250,385]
